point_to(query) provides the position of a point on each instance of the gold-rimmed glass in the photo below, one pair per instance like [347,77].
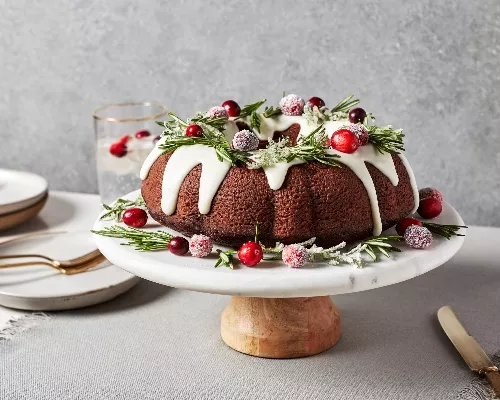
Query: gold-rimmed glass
[134,126]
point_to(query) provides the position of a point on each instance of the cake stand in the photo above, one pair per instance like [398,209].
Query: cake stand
[276,311]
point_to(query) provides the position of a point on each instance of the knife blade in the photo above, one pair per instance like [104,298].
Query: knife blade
[469,348]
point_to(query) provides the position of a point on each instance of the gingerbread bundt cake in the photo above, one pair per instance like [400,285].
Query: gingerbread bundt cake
[299,170]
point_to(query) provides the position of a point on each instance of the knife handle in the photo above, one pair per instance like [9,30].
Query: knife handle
[493,378]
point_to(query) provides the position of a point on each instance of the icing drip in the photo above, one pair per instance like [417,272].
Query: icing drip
[181,162]
[413,182]
[185,158]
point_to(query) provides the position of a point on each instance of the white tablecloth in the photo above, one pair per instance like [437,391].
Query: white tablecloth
[157,342]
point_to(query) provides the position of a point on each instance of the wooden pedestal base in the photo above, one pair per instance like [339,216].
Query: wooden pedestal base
[280,328]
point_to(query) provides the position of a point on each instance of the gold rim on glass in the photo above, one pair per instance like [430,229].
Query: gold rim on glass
[145,104]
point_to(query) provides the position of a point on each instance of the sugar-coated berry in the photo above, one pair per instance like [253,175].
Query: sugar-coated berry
[200,246]
[142,134]
[217,112]
[344,140]
[361,133]
[178,245]
[250,254]
[357,115]
[245,141]
[118,149]
[429,208]
[124,139]
[292,105]
[294,255]
[430,193]
[315,102]
[232,108]
[418,237]
[194,131]
[405,223]
[156,138]
[135,217]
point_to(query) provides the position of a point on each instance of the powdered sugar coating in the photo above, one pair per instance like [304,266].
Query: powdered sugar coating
[418,237]
[217,112]
[430,193]
[292,105]
[200,246]
[245,140]
[294,255]
[361,133]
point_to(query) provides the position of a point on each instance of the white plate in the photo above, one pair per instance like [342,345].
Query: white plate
[44,288]
[274,279]
[19,190]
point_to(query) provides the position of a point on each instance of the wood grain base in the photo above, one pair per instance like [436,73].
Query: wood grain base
[280,328]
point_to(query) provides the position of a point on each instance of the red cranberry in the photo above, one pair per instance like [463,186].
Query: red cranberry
[142,134]
[357,115]
[178,246]
[315,102]
[405,223]
[155,140]
[430,208]
[194,131]
[345,141]
[232,108]
[135,217]
[250,254]
[124,139]
[118,149]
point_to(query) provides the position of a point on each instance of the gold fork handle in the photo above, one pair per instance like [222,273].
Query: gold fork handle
[26,256]
[31,263]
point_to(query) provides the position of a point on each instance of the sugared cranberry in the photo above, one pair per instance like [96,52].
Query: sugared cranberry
[357,115]
[250,254]
[405,223]
[135,217]
[232,108]
[155,140]
[178,246]
[292,105]
[361,133]
[315,102]
[217,112]
[142,134]
[345,141]
[124,139]
[418,237]
[294,255]
[194,131]
[118,149]
[429,192]
[430,208]
[245,141]
[200,246]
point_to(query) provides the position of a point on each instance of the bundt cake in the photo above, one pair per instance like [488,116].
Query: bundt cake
[298,170]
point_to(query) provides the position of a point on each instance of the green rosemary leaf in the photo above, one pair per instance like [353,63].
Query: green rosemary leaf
[255,121]
[140,239]
[380,245]
[345,105]
[386,139]
[218,123]
[225,258]
[447,231]
[271,112]
[250,108]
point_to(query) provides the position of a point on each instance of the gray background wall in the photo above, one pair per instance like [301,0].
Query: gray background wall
[431,67]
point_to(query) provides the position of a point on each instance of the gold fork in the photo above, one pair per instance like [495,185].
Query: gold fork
[71,270]
[61,266]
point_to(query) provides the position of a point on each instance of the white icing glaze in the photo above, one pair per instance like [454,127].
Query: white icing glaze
[413,182]
[214,171]
[181,162]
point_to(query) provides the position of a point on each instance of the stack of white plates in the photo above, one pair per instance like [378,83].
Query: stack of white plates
[22,196]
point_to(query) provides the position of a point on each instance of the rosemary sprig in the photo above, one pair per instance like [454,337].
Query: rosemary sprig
[345,105]
[218,123]
[225,258]
[250,108]
[312,148]
[447,231]
[255,121]
[386,139]
[115,210]
[271,112]
[141,240]
[380,244]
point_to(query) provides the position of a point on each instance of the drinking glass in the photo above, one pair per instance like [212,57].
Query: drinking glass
[125,135]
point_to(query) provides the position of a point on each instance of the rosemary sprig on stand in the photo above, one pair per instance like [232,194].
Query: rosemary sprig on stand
[447,231]
[116,210]
[140,239]
[380,244]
